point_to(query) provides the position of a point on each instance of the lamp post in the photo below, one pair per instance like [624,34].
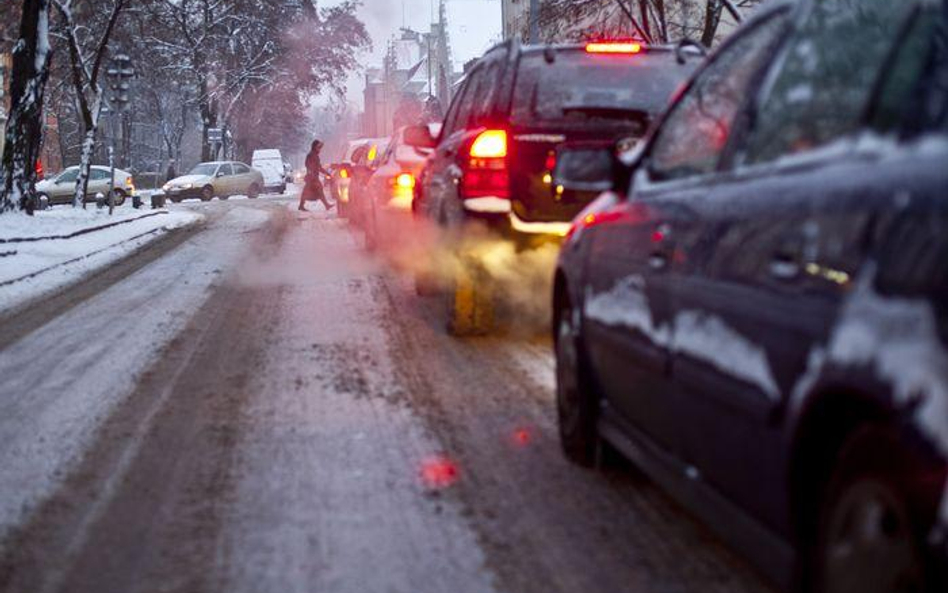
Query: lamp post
[120,72]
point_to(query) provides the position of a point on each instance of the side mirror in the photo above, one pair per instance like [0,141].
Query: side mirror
[627,157]
[419,137]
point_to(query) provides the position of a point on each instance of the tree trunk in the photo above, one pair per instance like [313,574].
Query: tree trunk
[712,17]
[25,126]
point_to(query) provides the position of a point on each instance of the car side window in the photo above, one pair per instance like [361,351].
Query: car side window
[466,108]
[225,170]
[451,119]
[241,169]
[487,90]
[98,175]
[822,86]
[913,98]
[68,176]
[693,137]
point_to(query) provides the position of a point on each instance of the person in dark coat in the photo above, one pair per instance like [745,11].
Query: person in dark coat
[170,173]
[313,190]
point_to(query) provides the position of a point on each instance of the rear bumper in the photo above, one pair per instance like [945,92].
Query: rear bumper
[499,216]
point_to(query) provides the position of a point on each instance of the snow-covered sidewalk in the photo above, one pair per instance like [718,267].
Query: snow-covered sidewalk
[42,253]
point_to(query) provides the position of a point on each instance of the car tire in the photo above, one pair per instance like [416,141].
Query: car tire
[866,521]
[577,402]
[469,299]
[282,189]
[254,192]
[41,196]
[207,193]
[118,197]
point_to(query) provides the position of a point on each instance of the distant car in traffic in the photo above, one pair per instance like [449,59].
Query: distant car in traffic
[494,159]
[270,164]
[61,188]
[759,321]
[390,192]
[341,171]
[364,162]
[221,179]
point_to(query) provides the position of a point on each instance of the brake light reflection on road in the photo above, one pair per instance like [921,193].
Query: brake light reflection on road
[439,472]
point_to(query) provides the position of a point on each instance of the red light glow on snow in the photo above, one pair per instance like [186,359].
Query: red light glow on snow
[439,472]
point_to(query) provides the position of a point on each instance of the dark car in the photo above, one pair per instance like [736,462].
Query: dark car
[496,153]
[762,324]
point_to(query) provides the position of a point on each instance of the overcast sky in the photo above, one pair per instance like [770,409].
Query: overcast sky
[474,25]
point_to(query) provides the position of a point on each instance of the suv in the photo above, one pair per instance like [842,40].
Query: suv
[761,325]
[494,159]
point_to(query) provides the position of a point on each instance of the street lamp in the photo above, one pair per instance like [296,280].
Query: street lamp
[119,73]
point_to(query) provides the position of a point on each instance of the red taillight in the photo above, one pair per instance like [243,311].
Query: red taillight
[344,173]
[485,173]
[550,161]
[405,181]
[614,48]
[490,144]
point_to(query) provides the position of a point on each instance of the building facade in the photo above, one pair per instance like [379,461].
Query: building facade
[417,67]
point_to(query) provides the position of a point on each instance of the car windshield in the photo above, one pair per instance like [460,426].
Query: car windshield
[204,169]
[579,87]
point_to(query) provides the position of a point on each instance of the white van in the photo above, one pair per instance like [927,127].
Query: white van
[270,163]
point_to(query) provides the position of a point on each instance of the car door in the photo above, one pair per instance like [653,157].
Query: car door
[98,183]
[225,183]
[445,173]
[243,178]
[65,186]
[773,246]
[631,317]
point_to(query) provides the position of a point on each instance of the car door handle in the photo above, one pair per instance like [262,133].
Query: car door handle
[658,261]
[784,266]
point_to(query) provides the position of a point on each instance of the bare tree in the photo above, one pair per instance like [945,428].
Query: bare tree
[88,47]
[31,55]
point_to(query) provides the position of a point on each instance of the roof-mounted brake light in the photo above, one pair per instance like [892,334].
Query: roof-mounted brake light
[614,48]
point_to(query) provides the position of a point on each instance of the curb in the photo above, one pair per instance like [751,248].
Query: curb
[80,232]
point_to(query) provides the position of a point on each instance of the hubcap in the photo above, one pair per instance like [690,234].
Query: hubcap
[869,547]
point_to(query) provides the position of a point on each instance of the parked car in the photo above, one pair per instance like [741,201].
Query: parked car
[494,158]
[61,188]
[222,179]
[390,192]
[760,320]
[270,164]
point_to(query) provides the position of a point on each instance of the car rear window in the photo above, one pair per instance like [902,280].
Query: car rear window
[578,87]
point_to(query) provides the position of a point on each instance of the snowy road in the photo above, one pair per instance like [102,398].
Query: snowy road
[262,408]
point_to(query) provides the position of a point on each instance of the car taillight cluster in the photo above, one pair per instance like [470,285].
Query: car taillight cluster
[485,173]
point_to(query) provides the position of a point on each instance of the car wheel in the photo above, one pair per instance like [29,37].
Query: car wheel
[469,296]
[254,192]
[867,541]
[41,198]
[282,189]
[576,402]
[207,193]
[118,197]
[224,198]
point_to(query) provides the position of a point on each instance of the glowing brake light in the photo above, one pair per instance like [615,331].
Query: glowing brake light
[344,173]
[614,48]
[485,173]
[405,181]
[490,144]
[373,153]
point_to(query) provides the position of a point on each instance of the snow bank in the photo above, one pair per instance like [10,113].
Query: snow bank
[54,248]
